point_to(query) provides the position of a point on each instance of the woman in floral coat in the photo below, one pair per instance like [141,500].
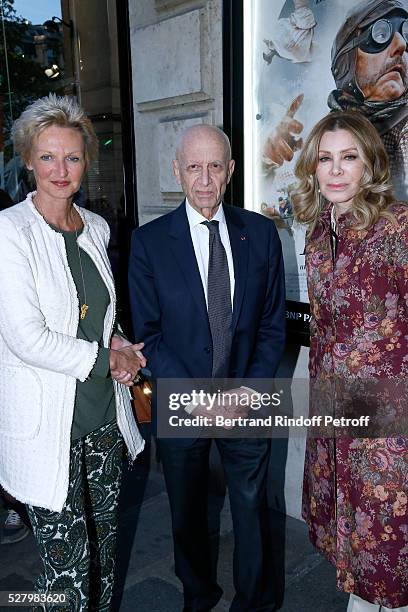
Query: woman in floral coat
[356,489]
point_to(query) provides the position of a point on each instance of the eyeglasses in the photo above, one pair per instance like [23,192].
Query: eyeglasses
[377,36]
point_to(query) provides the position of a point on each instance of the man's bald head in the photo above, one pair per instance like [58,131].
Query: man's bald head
[203,167]
[202,131]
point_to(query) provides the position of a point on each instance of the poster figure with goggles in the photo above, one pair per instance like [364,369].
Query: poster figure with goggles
[370,68]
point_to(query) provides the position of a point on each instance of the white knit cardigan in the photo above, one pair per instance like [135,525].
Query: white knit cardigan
[40,357]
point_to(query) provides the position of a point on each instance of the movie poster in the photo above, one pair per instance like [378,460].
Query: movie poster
[307,57]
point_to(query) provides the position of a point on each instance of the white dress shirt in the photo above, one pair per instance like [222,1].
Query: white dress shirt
[200,237]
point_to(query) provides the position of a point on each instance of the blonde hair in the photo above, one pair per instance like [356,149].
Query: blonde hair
[62,111]
[376,192]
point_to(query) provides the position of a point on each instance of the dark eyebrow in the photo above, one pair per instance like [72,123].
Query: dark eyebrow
[342,151]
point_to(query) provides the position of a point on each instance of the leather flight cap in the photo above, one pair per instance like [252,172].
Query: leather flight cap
[344,49]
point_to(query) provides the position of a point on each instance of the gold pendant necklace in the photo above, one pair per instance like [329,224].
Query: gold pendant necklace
[84,308]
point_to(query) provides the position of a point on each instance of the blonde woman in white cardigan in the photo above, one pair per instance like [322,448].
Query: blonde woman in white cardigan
[64,403]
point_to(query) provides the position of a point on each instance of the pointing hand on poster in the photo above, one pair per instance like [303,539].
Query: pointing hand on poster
[281,145]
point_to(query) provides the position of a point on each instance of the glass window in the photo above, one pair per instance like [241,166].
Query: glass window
[67,47]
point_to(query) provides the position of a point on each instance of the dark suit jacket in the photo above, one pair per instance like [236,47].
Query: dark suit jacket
[168,302]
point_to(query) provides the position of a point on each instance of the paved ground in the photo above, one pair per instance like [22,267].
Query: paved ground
[146,580]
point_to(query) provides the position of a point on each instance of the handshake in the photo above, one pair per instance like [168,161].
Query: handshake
[125,360]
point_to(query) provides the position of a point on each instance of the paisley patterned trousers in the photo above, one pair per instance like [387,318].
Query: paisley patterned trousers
[78,545]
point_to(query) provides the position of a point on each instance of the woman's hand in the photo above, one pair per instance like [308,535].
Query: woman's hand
[125,362]
[118,343]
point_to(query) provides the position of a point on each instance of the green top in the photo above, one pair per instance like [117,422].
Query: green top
[94,401]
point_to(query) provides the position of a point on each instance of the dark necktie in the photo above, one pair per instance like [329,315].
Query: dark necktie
[219,301]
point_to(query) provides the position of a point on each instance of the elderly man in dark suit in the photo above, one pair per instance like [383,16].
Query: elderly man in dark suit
[207,294]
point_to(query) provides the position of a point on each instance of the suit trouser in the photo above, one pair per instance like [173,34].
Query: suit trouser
[186,471]
[356,604]
[78,544]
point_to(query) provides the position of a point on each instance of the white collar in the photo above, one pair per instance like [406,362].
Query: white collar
[195,218]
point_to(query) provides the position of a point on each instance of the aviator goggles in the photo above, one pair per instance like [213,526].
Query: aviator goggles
[377,36]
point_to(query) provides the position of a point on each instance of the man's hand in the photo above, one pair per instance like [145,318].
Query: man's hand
[233,403]
[118,342]
[125,362]
[280,146]
[238,401]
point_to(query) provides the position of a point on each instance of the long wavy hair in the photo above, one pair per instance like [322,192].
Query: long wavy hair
[376,192]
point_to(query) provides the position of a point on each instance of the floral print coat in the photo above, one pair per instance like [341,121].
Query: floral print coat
[356,490]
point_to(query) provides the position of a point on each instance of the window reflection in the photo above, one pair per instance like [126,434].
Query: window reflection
[68,47]
[27,50]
